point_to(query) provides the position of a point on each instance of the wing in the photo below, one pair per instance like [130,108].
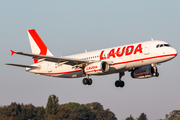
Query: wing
[60,60]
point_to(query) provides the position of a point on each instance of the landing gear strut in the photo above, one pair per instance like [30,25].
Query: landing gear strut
[120,83]
[87,81]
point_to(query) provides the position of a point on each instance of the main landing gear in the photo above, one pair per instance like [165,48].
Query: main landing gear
[120,83]
[87,81]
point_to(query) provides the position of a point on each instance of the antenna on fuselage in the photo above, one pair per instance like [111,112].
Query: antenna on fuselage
[151,39]
[85,51]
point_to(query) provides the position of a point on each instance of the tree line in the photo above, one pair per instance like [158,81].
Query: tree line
[55,111]
[174,115]
[68,111]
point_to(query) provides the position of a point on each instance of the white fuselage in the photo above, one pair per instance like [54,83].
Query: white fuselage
[121,58]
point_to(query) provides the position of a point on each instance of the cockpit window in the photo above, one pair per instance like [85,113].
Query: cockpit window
[157,46]
[163,45]
[166,45]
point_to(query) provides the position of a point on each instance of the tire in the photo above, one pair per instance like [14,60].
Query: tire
[157,74]
[117,83]
[121,84]
[89,81]
[85,81]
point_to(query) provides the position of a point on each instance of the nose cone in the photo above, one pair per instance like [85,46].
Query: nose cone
[174,52]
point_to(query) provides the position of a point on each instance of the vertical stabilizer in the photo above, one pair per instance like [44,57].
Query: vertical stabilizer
[37,45]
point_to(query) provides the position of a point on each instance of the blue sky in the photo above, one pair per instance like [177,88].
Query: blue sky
[70,27]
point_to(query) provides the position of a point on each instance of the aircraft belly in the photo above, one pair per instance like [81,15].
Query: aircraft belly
[64,71]
[68,73]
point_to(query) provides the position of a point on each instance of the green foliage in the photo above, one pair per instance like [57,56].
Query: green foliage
[130,118]
[52,105]
[68,111]
[21,112]
[174,115]
[100,113]
[54,111]
[142,117]
[79,112]
[176,118]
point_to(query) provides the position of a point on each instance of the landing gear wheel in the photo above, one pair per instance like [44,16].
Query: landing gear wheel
[119,83]
[89,81]
[85,81]
[122,84]
[157,74]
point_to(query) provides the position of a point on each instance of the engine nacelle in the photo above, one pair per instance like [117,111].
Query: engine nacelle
[143,72]
[96,68]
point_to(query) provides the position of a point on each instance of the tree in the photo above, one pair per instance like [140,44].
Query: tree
[63,112]
[100,113]
[21,112]
[109,115]
[142,117]
[174,115]
[75,111]
[130,118]
[52,107]
[54,111]
[95,106]
[81,112]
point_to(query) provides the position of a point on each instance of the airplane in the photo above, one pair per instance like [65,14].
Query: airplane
[141,59]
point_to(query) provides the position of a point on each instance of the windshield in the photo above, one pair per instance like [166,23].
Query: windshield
[163,45]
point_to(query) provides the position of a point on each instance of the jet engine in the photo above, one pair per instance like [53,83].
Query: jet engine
[97,67]
[144,72]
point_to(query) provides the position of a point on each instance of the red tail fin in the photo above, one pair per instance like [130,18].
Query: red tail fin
[37,45]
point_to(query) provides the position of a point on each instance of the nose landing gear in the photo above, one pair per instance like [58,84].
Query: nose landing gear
[155,70]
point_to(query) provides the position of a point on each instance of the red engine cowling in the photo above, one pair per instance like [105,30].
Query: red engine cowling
[143,72]
[96,68]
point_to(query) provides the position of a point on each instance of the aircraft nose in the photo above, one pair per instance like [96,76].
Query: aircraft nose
[174,52]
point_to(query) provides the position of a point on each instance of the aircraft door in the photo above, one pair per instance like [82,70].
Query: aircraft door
[147,48]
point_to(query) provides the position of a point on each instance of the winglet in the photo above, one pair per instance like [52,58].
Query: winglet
[12,52]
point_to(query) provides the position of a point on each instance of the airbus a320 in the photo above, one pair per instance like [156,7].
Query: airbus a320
[141,59]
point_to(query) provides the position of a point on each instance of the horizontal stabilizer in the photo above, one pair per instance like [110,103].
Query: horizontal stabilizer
[18,65]
[12,52]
